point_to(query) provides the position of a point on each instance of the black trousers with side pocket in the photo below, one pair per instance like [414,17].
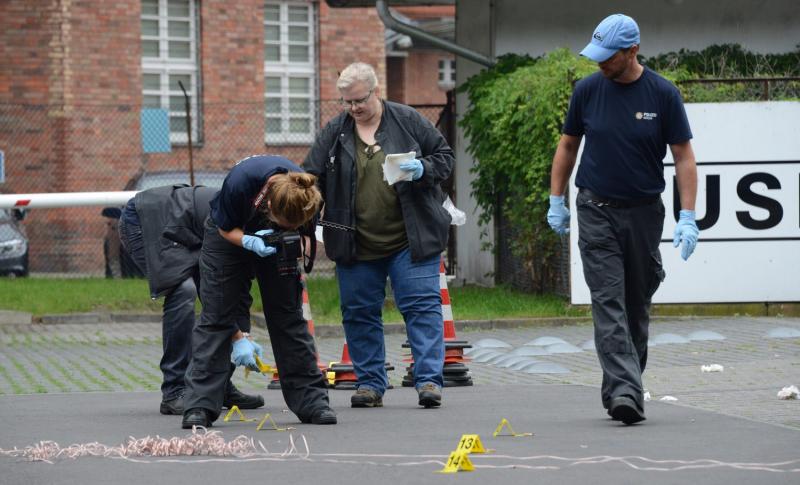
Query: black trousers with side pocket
[619,247]
[226,273]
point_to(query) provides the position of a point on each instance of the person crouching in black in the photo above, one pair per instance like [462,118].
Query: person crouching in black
[261,194]
[161,231]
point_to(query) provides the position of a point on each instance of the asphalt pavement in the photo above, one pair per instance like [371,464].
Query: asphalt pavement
[84,383]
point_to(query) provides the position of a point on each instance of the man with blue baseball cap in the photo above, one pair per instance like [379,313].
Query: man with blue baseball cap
[614,33]
[629,115]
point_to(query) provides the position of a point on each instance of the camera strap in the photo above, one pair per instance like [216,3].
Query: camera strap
[308,231]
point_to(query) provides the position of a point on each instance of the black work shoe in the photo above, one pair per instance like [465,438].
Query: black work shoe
[366,398]
[430,395]
[243,401]
[324,416]
[624,409]
[196,417]
[174,406]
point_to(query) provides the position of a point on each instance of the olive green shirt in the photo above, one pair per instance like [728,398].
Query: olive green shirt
[380,230]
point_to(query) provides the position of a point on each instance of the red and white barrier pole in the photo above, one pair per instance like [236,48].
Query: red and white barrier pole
[64,199]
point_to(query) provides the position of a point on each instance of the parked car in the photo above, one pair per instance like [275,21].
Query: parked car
[118,262]
[13,243]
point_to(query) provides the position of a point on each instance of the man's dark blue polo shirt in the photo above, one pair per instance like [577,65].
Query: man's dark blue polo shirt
[627,129]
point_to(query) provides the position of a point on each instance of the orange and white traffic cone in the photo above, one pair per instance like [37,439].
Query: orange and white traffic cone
[344,372]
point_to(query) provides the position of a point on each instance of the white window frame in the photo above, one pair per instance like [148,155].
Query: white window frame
[285,70]
[164,66]
[447,73]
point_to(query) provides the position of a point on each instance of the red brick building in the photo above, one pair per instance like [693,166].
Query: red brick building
[419,73]
[75,76]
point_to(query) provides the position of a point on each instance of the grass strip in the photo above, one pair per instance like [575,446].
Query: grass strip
[41,296]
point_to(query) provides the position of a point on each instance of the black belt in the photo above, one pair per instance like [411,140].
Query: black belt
[601,201]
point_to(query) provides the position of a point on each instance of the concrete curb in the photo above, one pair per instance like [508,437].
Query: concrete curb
[98,317]
[8,317]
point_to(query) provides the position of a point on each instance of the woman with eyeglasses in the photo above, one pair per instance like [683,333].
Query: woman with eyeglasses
[398,231]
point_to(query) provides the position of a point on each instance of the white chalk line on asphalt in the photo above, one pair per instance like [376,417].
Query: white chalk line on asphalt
[203,446]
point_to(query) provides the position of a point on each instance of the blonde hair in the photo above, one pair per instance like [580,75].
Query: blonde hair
[294,197]
[357,72]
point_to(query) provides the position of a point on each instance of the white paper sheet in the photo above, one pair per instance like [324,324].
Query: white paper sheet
[392,172]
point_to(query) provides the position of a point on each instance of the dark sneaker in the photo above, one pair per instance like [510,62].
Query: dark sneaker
[624,409]
[324,416]
[196,417]
[243,401]
[366,398]
[174,406]
[430,395]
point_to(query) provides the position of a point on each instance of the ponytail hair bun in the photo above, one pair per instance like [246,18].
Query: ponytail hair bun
[294,197]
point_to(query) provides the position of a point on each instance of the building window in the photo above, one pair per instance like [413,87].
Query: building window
[169,55]
[290,72]
[447,73]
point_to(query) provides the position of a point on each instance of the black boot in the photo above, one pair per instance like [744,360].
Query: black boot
[172,406]
[235,397]
[196,417]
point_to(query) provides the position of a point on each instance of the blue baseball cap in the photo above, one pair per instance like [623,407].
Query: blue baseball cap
[615,32]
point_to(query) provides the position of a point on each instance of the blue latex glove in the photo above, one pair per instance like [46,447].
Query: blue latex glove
[243,353]
[257,245]
[558,215]
[413,166]
[686,233]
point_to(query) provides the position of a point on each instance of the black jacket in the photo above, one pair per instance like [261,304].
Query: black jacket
[172,220]
[402,129]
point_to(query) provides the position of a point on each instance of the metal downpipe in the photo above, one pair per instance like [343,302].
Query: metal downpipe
[394,24]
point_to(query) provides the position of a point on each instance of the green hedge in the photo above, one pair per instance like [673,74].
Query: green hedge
[513,124]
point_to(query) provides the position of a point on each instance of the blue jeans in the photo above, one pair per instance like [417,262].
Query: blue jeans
[362,289]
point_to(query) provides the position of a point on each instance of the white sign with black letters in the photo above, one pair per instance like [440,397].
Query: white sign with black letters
[748,209]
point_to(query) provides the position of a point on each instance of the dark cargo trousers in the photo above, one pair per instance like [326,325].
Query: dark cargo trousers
[622,267]
[226,273]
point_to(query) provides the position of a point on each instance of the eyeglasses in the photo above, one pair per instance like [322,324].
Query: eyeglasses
[354,103]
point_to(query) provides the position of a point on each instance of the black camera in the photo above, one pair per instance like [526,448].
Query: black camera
[289,249]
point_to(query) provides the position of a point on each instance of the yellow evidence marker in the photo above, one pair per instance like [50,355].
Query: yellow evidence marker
[458,462]
[505,423]
[262,367]
[235,409]
[268,417]
[471,443]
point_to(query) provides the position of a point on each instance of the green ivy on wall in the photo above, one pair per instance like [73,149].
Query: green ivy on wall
[513,124]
